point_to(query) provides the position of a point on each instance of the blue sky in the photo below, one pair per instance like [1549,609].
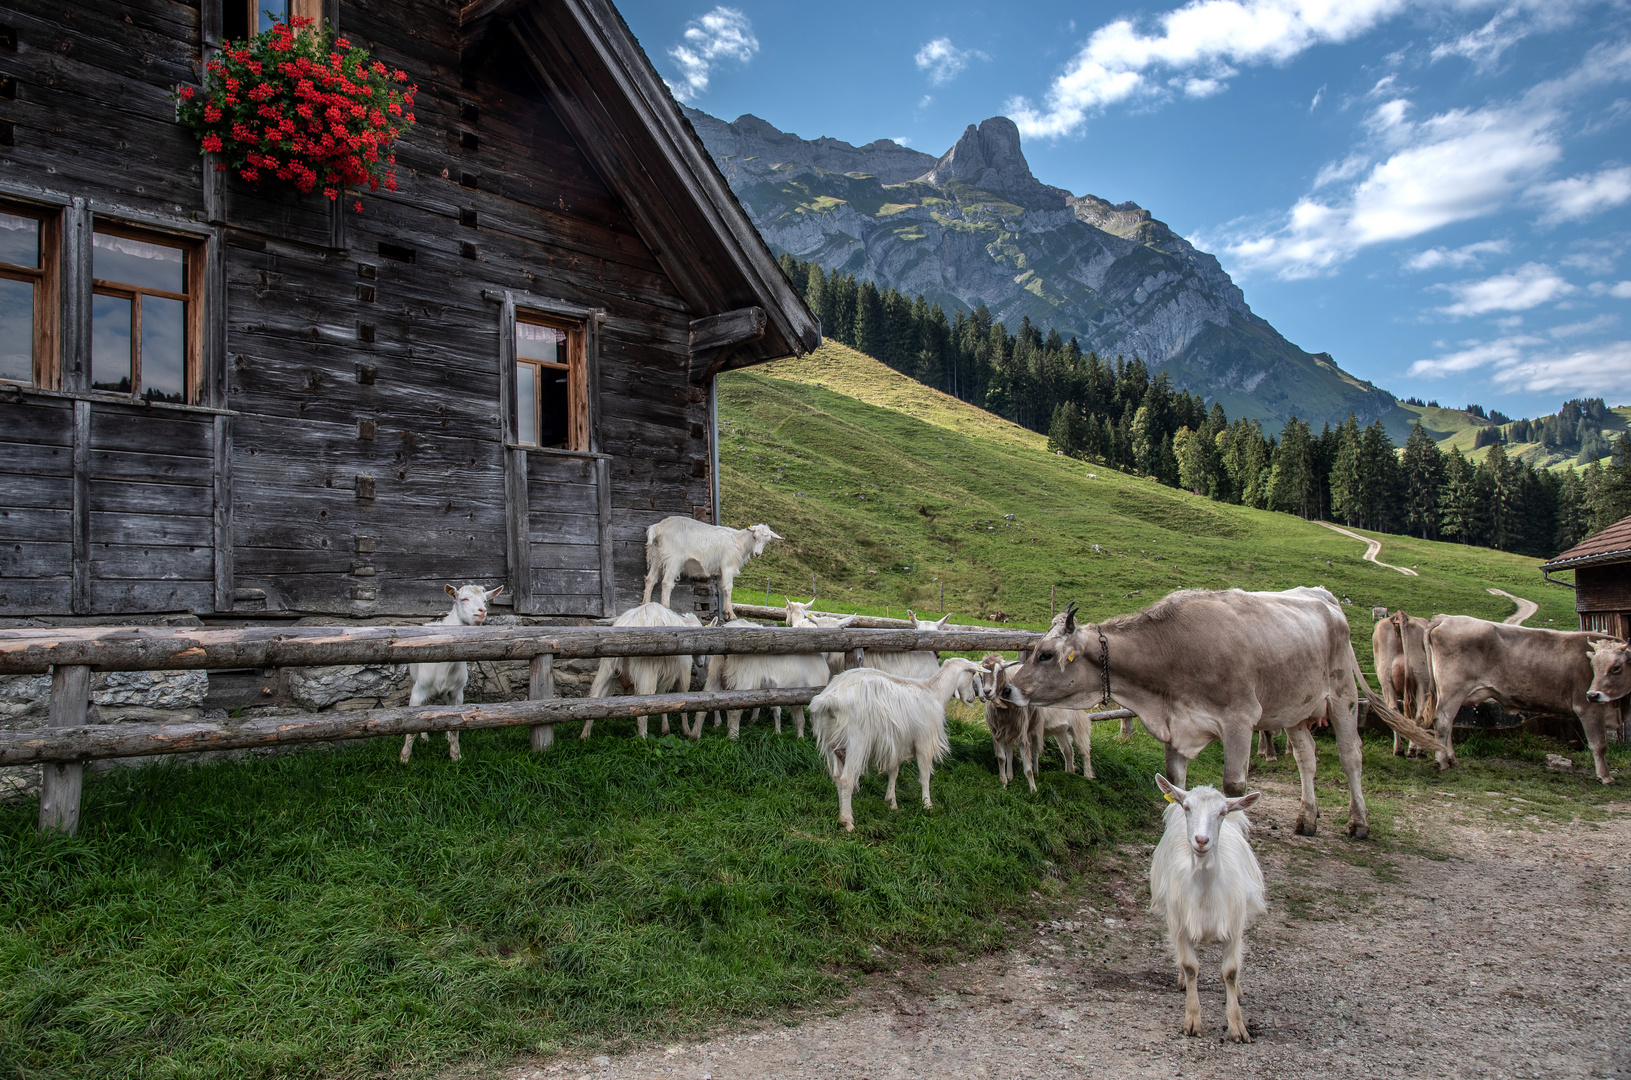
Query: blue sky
[1438,194]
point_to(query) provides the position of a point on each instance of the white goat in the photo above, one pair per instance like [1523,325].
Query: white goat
[868,718]
[1026,728]
[919,664]
[681,546]
[445,682]
[799,615]
[749,671]
[648,674]
[1206,881]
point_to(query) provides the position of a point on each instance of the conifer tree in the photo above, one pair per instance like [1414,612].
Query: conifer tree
[1423,469]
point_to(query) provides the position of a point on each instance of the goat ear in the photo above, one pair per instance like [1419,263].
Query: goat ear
[846,620]
[1070,618]
[451,591]
[1243,802]
[494,592]
[911,617]
[1169,789]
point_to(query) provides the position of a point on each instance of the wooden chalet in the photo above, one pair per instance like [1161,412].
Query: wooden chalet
[1602,579]
[233,402]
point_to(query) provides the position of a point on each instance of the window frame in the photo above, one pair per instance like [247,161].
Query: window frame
[46,367]
[578,436]
[192,296]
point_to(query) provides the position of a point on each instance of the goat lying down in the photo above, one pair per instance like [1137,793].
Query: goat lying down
[868,718]
[1205,880]
[1026,728]
[647,674]
[444,683]
[684,547]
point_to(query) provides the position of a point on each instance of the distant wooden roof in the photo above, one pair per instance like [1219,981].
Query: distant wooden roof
[1611,545]
[630,127]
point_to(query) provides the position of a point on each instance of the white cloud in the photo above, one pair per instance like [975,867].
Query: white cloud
[1621,291]
[1590,326]
[1456,166]
[1456,258]
[1579,197]
[1203,34]
[1530,285]
[1515,363]
[1318,94]
[942,60]
[709,40]
[1509,26]
[1338,171]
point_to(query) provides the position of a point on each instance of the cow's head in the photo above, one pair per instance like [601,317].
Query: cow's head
[1610,671]
[1204,809]
[762,535]
[1058,672]
[470,602]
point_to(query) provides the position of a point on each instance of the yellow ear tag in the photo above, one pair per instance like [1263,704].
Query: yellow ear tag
[1070,655]
[1167,795]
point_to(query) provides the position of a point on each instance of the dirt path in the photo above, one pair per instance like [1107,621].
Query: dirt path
[1526,608]
[1510,959]
[1371,548]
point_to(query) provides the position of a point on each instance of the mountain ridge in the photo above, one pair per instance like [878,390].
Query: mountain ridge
[974,226]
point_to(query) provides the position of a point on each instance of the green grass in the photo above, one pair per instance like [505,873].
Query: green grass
[336,914]
[887,490]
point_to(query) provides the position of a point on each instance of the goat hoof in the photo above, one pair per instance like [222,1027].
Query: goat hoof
[849,826]
[1609,781]
[1359,832]
[1306,827]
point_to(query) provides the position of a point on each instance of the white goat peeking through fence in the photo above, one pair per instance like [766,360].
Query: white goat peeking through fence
[1205,879]
[684,547]
[868,718]
[918,664]
[799,615]
[648,674]
[445,683]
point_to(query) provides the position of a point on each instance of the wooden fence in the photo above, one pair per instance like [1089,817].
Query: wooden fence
[70,654]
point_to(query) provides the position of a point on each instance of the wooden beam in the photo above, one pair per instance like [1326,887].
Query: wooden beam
[727,329]
[159,648]
[541,687]
[63,779]
[94,742]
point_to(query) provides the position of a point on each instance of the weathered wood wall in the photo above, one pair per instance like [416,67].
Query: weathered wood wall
[363,464]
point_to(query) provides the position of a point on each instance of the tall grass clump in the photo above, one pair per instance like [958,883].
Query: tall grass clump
[337,914]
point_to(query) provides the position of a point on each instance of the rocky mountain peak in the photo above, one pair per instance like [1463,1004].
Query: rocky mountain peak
[988,157]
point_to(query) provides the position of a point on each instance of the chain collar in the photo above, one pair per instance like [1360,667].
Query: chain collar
[1104,664]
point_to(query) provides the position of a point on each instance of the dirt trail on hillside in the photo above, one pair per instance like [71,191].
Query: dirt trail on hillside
[1526,608]
[1371,548]
[1508,959]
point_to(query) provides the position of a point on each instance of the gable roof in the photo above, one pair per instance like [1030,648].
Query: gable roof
[628,124]
[1611,545]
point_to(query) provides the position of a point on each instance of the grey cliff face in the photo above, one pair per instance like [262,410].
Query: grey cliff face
[976,227]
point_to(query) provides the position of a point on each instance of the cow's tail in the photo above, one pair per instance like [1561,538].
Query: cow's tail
[1398,721]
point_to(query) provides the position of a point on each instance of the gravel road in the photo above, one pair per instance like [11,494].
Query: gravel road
[1510,958]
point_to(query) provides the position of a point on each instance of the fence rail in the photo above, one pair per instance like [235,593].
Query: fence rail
[71,654]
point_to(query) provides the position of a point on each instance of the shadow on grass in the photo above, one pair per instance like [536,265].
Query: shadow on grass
[337,914]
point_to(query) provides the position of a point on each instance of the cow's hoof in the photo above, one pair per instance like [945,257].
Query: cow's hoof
[1192,1024]
[1234,791]
[1239,1035]
[1306,827]
[1359,832]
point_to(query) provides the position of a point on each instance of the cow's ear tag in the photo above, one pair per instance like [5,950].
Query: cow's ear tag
[1070,655]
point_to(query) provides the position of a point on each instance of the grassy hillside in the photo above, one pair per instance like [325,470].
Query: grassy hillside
[887,489]
[1455,428]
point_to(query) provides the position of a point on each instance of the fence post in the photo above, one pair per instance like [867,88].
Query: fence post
[62,781]
[540,687]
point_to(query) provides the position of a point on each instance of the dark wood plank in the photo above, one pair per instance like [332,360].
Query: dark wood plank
[38,421]
[44,492]
[153,562]
[82,507]
[151,468]
[23,559]
[123,597]
[26,459]
[118,496]
[35,596]
[164,529]
[221,520]
[138,430]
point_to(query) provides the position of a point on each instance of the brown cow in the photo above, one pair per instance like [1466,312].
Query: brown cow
[1474,661]
[1201,666]
[1399,644]
[1610,671]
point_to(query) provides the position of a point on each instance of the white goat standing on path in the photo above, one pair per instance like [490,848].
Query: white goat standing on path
[1205,879]
[869,718]
[648,674]
[684,547]
[445,682]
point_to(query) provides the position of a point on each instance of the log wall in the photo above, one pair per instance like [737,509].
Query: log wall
[348,454]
